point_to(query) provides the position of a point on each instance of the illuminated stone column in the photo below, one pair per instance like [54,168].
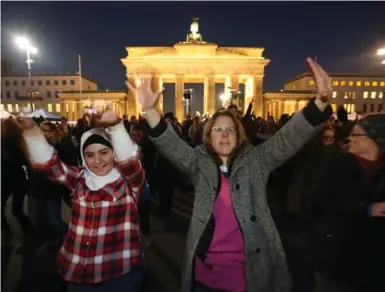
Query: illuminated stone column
[281,108]
[267,109]
[275,109]
[125,105]
[270,110]
[63,111]
[68,109]
[132,104]
[74,108]
[258,97]
[284,108]
[301,104]
[295,107]
[253,89]
[71,108]
[179,90]
[209,105]
[79,110]
[249,92]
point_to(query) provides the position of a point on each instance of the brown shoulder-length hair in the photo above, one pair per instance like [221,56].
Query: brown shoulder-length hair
[12,135]
[54,128]
[242,140]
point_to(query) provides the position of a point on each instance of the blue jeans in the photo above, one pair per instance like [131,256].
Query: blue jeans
[130,282]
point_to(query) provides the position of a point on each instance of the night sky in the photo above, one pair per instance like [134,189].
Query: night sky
[343,35]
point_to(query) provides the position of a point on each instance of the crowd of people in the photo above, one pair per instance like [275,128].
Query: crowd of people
[103,168]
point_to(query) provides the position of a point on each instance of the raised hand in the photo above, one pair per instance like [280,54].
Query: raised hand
[107,119]
[146,96]
[322,80]
[378,209]
[26,123]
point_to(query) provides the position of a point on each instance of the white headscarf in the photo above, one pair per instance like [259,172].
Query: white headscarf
[95,182]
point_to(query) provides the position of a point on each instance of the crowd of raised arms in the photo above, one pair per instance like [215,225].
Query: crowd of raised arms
[108,169]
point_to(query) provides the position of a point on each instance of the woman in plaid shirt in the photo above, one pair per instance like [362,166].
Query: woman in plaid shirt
[102,250]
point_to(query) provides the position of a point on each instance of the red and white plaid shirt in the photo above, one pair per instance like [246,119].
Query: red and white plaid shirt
[103,239]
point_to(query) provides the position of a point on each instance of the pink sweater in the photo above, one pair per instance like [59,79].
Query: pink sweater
[224,266]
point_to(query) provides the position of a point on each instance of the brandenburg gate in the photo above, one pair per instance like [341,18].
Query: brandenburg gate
[196,61]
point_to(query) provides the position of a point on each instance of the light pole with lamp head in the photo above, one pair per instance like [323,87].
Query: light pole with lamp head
[24,44]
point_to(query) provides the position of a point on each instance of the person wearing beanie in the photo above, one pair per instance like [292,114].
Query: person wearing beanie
[349,237]
[102,249]
[374,127]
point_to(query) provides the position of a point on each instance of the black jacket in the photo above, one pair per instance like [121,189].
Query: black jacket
[40,185]
[349,245]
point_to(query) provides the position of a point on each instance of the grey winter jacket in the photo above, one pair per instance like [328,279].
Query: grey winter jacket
[266,269]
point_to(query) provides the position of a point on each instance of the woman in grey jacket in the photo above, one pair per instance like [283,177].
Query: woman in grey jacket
[233,244]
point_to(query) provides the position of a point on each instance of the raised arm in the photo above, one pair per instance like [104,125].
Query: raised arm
[291,138]
[44,157]
[127,157]
[161,134]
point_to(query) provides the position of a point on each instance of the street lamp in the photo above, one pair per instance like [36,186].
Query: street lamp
[24,44]
[381,53]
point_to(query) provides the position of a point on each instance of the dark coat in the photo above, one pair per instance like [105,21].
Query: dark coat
[318,159]
[349,245]
[40,185]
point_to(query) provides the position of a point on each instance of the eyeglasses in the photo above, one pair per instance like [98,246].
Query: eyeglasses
[221,129]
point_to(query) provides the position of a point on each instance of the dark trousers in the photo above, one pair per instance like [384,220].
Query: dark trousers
[131,282]
[45,214]
[324,284]
[166,195]
[18,193]
[199,287]
[144,217]
[5,194]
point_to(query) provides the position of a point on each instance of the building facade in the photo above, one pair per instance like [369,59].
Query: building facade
[360,93]
[75,104]
[197,61]
[285,102]
[40,91]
